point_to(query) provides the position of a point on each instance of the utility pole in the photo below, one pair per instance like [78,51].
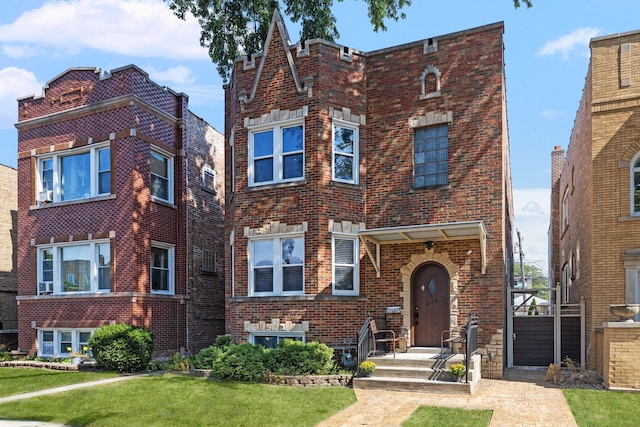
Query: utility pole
[524,284]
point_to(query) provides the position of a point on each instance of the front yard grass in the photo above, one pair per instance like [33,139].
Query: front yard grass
[25,380]
[603,408]
[426,416]
[178,400]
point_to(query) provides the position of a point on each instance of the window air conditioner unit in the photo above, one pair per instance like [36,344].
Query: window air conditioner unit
[46,196]
[45,288]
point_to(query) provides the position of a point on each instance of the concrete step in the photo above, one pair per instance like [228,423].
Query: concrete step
[413,384]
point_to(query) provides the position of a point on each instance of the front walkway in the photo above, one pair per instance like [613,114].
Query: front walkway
[523,399]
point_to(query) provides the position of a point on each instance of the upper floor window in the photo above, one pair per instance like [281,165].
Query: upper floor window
[276,154]
[565,210]
[345,153]
[635,186]
[208,178]
[277,266]
[431,156]
[566,283]
[162,268]
[81,174]
[345,265]
[161,176]
[71,268]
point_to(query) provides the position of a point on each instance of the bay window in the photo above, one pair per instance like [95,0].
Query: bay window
[80,174]
[77,267]
[277,266]
[276,154]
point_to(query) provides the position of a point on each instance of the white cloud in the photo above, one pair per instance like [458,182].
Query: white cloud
[179,74]
[550,113]
[565,44]
[15,83]
[136,28]
[532,211]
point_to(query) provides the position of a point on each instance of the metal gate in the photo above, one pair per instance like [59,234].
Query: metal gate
[543,331]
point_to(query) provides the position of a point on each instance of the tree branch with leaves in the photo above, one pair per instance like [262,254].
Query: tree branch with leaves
[232,28]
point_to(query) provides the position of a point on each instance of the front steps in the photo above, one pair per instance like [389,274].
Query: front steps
[420,369]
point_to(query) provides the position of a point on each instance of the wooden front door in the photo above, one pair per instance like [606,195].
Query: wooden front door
[430,304]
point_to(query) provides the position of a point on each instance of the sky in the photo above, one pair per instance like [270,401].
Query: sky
[546,60]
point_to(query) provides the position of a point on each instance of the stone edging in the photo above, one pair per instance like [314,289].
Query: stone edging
[296,380]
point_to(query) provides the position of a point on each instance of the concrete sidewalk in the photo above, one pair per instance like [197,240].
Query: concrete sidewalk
[523,399]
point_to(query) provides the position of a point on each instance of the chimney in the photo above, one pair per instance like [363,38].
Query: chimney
[557,161]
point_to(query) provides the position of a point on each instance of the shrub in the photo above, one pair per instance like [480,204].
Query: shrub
[242,362]
[122,348]
[206,357]
[297,358]
[158,365]
[224,341]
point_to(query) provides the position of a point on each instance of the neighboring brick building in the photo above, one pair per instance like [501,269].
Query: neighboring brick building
[120,212]
[595,249]
[8,257]
[368,184]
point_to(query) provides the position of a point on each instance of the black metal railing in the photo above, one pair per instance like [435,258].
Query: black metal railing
[471,338]
[365,342]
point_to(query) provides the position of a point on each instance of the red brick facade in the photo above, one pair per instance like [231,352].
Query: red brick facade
[123,111]
[388,95]
[8,257]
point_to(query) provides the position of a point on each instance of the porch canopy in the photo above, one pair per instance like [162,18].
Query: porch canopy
[442,232]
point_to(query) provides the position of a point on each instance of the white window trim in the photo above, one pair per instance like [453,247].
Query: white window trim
[280,335]
[56,157]
[356,266]
[277,151]
[356,145]
[208,170]
[565,210]
[277,265]
[75,341]
[172,267]
[566,283]
[170,167]
[57,268]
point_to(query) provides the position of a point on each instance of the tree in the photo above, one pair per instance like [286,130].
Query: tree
[231,28]
[538,279]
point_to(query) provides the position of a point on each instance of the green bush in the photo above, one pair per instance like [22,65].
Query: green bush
[242,362]
[206,357]
[158,365]
[298,358]
[224,341]
[122,348]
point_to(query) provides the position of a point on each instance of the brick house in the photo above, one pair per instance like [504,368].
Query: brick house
[120,213]
[368,184]
[595,219]
[8,257]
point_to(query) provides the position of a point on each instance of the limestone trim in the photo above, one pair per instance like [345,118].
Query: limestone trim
[345,114]
[346,227]
[276,325]
[431,69]
[275,116]
[431,118]
[274,228]
[416,260]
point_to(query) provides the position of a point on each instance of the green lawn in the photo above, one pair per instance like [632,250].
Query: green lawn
[178,400]
[602,408]
[24,380]
[434,416]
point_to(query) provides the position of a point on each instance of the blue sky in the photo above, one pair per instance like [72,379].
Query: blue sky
[546,59]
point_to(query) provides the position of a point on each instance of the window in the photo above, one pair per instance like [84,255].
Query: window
[277,266]
[566,283]
[431,156]
[209,261]
[71,176]
[162,268]
[565,210]
[161,176]
[208,178]
[270,339]
[62,342]
[345,153]
[70,268]
[635,186]
[276,155]
[345,265]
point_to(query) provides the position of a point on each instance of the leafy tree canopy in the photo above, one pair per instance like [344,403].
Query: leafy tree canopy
[231,28]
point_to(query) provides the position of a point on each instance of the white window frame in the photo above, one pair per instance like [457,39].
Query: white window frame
[278,155]
[355,265]
[277,265]
[55,194]
[170,267]
[566,283]
[56,284]
[354,155]
[170,178]
[279,335]
[76,343]
[565,210]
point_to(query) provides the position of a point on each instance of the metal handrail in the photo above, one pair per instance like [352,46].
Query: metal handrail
[471,337]
[365,343]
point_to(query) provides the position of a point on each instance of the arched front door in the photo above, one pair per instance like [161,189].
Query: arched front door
[429,304]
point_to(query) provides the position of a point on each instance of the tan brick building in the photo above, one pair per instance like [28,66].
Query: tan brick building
[368,184]
[8,256]
[120,213]
[595,246]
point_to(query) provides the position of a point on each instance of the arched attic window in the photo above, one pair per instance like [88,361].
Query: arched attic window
[430,82]
[635,185]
